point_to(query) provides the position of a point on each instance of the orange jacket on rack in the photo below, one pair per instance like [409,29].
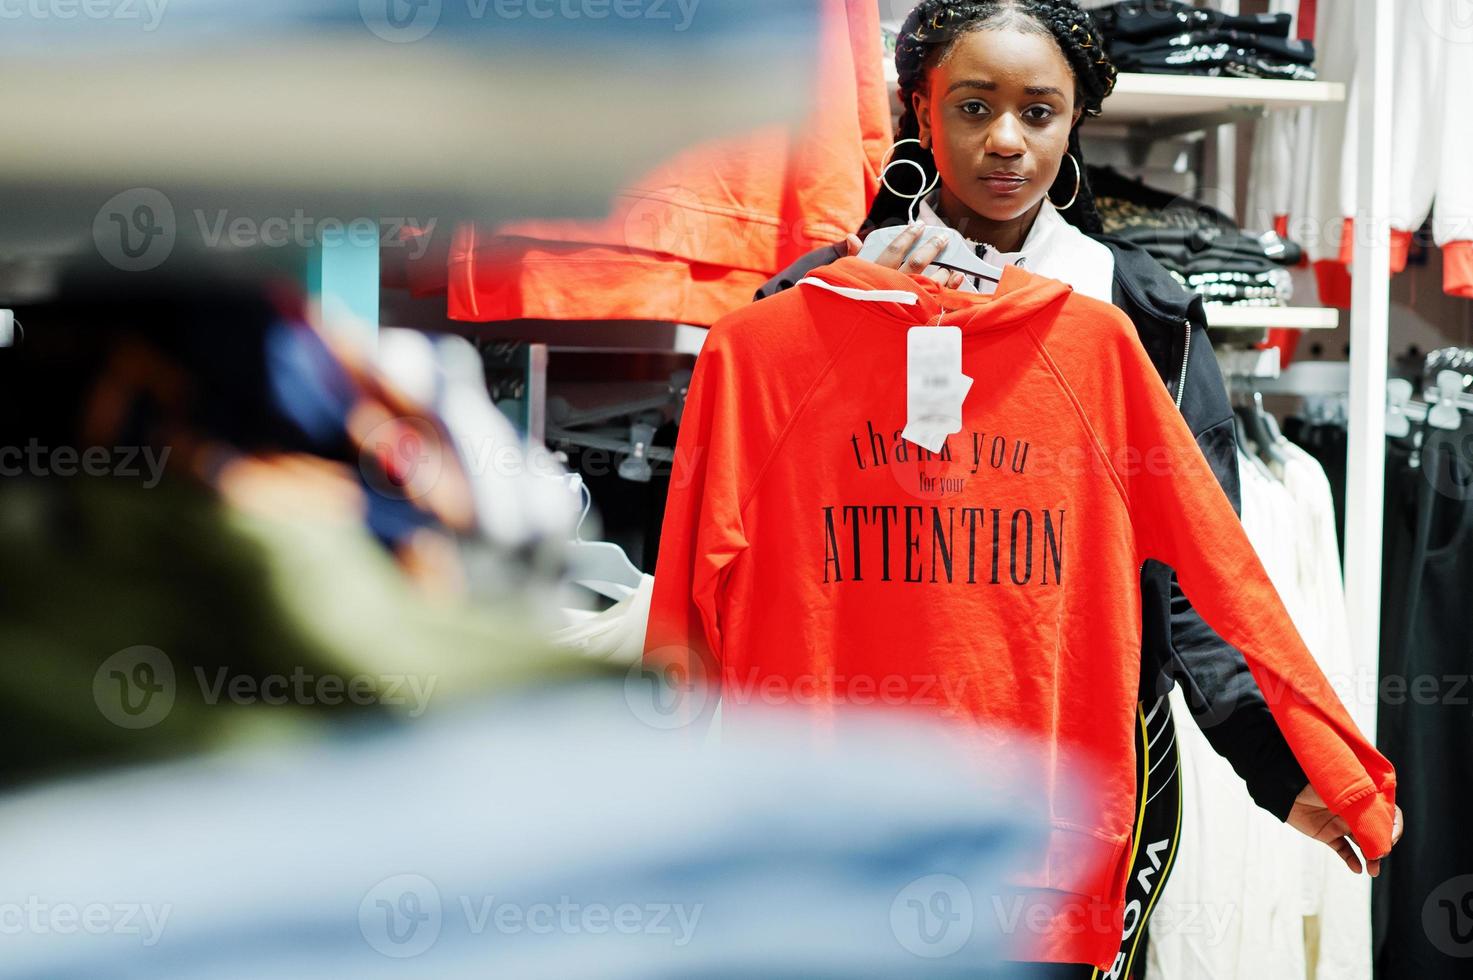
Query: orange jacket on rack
[696,237]
[808,551]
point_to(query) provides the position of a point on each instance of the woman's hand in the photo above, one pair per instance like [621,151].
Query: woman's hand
[1312,818]
[893,257]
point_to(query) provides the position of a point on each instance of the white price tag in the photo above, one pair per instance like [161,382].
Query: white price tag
[935,385]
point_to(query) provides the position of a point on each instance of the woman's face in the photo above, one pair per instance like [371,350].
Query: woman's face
[997,116]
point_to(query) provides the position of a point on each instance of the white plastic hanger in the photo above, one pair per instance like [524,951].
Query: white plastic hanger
[957,255]
[601,566]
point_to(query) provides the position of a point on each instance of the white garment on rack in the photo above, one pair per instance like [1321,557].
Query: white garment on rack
[1432,131]
[1341,900]
[1243,884]
[616,634]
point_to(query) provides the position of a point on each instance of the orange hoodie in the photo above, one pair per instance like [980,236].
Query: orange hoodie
[815,558]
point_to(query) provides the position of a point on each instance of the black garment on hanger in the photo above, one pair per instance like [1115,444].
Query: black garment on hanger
[1329,444]
[1422,919]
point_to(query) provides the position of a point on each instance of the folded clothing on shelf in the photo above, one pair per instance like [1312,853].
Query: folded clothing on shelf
[1172,38]
[1200,246]
[1137,20]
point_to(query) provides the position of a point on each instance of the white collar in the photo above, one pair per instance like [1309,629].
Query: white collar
[1045,224]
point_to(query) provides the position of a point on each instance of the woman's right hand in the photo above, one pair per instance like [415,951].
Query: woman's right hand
[893,257]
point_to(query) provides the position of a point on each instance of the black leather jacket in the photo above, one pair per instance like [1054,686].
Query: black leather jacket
[1176,645]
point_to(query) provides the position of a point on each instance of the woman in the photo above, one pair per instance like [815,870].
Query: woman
[994,91]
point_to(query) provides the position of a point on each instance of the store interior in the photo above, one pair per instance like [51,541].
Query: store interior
[345,354]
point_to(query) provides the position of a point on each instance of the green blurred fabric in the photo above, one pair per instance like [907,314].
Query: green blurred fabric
[92,567]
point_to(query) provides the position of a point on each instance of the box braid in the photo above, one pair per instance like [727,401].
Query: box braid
[928,34]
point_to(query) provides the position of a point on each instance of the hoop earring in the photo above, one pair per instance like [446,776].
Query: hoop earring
[1078,180]
[915,199]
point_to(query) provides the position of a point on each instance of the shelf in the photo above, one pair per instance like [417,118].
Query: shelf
[1184,103]
[1154,98]
[1261,317]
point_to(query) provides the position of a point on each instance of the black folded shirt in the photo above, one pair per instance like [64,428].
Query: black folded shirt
[1273,48]
[1139,19]
[1213,59]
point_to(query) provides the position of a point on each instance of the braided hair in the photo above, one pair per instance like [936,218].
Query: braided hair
[929,33]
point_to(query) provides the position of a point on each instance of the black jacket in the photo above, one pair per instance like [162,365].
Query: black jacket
[1176,645]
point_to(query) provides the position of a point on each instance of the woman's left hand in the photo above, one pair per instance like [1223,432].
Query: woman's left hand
[1312,818]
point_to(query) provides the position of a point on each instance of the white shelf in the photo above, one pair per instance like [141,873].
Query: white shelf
[1143,98]
[1261,317]
[1182,99]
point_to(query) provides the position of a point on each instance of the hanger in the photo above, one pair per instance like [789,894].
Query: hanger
[1252,417]
[600,566]
[957,255]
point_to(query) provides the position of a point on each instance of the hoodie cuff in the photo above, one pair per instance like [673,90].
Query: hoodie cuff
[1370,815]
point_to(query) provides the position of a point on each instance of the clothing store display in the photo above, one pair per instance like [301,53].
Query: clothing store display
[1156,36]
[1260,882]
[1177,647]
[1140,20]
[774,456]
[1430,122]
[1199,245]
[1328,443]
[551,834]
[693,238]
[1422,921]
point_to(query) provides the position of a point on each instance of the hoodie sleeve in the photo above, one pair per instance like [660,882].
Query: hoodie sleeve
[1182,517]
[702,531]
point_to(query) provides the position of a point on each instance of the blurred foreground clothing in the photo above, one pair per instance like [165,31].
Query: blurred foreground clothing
[693,239]
[217,521]
[556,835]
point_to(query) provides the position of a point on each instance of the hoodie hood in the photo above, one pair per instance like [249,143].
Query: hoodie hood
[913,300]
